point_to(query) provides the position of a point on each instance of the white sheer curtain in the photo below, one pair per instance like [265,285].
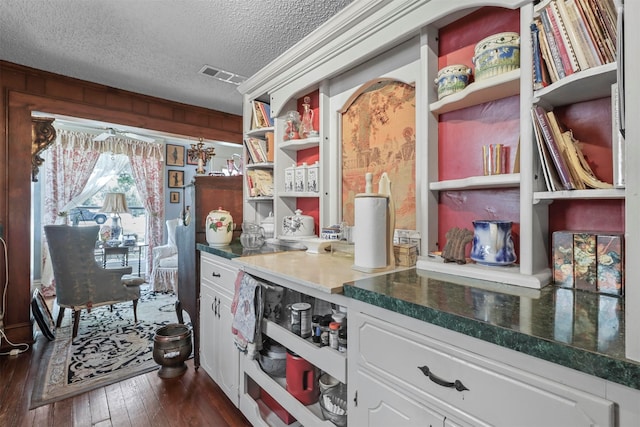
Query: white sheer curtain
[71,162]
[107,166]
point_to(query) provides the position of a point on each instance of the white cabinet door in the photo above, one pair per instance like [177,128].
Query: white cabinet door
[208,323]
[379,405]
[228,366]
[218,353]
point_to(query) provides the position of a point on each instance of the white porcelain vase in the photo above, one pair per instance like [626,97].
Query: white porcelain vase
[219,227]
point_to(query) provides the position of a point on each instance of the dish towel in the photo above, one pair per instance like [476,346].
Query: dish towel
[247,308]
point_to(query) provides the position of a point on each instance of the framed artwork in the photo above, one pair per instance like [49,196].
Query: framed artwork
[175,155]
[174,197]
[176,179]
[378,135]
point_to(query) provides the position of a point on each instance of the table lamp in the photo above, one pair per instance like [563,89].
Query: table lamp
[115,204]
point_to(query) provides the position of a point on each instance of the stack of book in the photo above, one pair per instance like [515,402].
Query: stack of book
[260,151]
[570,36]
[261,115]
[260,182]
[564,166]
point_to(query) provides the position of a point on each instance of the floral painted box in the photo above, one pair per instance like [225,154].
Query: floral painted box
[610,264]
[563,258]
[589,260]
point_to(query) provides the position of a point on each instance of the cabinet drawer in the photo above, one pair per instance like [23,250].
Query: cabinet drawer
[218,273]
[489,393]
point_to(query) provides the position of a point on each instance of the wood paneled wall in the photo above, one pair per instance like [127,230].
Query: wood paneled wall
[25,90]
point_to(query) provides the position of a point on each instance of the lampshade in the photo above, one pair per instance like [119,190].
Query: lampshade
[114,203]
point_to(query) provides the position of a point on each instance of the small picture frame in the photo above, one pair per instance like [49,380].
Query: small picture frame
[174,197]
[176,178]
[175,155]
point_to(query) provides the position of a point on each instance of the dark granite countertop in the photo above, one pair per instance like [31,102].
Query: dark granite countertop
[575,329]
[235,249]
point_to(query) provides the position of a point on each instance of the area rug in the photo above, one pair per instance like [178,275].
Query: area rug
[109,348]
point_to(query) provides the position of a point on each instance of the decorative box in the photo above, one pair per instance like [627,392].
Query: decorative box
[406,254]
[563,258]
[589,260]
[610,264]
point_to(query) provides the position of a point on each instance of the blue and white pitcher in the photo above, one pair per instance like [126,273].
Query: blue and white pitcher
[492,243]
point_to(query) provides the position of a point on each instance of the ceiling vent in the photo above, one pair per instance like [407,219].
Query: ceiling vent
[225,76]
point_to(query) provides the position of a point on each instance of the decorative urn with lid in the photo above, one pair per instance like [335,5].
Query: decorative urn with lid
[219,227]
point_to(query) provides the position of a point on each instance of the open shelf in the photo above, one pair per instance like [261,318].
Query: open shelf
[502,274]
[309,415]
[263,165]
[298,194]
[478,182]
[612,193]
[326,358]
[260,132]
[299,144]
[490,89]
[584,85]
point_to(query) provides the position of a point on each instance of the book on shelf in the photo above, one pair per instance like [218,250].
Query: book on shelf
[549,173]
[560,164]
[586,43]
[564,150]
[270,146]
[617,141]
[266,112]
[559,34]
[547,33]
[260,182]
[538,66]
[573,35]
[547,63]
[255,150]
[261,113]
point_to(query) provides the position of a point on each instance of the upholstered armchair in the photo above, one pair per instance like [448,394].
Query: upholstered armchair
[164,266]
[81,283]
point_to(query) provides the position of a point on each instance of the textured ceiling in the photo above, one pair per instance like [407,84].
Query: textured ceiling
[157,47]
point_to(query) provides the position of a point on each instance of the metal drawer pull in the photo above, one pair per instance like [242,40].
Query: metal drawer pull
[457,384]
[215,274]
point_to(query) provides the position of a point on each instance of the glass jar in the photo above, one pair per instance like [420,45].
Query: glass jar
[334,328]
[342,340]
[324,331]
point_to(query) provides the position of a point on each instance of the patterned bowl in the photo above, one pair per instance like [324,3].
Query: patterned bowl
[452,79]
[496,54]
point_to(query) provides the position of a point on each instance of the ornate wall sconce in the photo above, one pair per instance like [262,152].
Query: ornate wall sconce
[43,134]
[201,154]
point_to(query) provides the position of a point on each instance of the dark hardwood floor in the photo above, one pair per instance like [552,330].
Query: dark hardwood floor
[146,400]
